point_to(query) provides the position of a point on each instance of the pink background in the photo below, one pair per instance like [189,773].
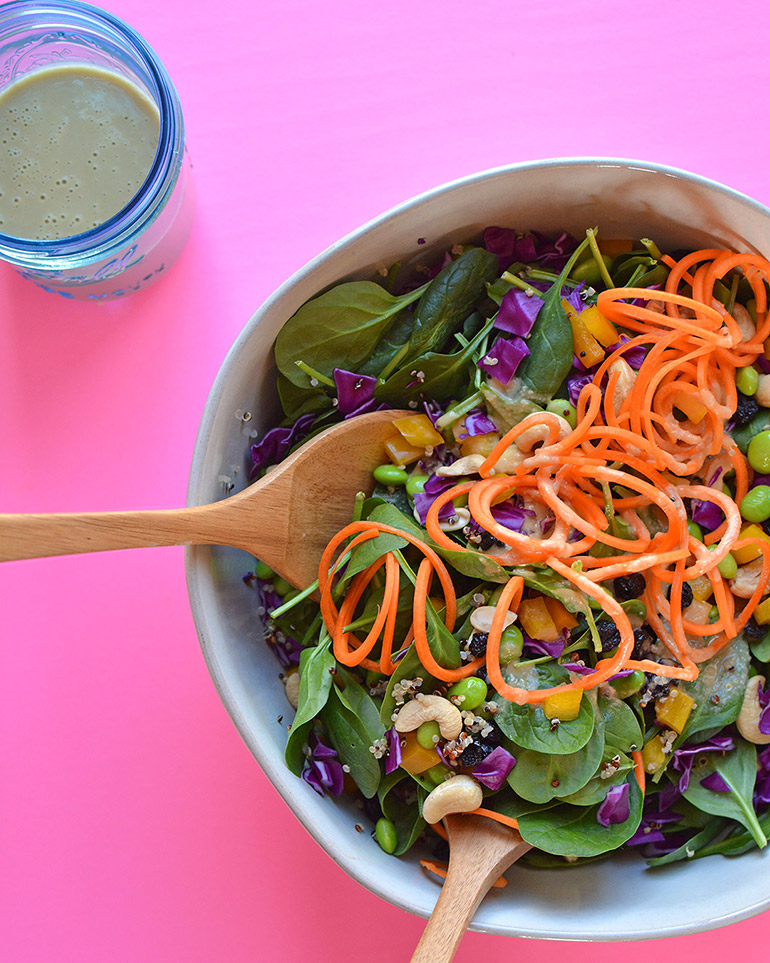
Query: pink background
[134,825]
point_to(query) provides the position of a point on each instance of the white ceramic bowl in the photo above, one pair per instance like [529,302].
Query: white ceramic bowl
[614,899]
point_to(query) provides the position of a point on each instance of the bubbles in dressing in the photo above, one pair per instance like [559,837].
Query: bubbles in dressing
[76,144]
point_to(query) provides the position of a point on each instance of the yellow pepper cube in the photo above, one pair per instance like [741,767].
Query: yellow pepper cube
[401,453]
[702,588]
[749,552]
[480,444]
[587,348]
[600,327]
[418,430]
[562,619]
[414,757]
[762,612]
[690,406]
[536,621]
[674,710]
[563,706]
[653,756]
[699,611]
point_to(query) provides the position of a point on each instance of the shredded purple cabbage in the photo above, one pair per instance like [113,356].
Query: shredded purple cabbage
[682,759]
[433,410]
[576,383]
[504,357]
[393,758]
[553,250]
[353,390]
[509,515]
[518,312]
[615,807]
[715,783]
[509,246]
[476,422]
[539,647]
[634,356]
[434,486]
[276,443]
[706,514]
[764,705]
[323,770]
[493,770]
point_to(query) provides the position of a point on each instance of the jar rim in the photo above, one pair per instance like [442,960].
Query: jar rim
[146,203]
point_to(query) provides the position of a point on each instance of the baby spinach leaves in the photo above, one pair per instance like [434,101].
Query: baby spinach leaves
[542,776]
[396,806]
[338,329]
[352,728]
[718,690]
[316,666]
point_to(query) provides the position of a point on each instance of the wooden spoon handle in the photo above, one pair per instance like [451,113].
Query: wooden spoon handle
[474,865]
[37,536]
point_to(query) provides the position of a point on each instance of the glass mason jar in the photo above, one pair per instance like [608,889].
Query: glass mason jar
[136,245]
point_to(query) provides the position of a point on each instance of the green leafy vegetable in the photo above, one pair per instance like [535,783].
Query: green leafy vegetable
[542,776]
[351,737]
[718,690]
[315,681]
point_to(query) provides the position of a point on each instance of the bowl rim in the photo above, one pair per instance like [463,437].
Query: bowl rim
[197,480]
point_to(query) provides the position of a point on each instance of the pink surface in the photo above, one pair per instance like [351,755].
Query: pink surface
[134,825]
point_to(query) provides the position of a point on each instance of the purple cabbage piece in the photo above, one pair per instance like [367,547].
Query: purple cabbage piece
[518,312]
[434,486]
[539,647]
[476,422]
[504,357]
[615,807]
[393,759]
[574,297]
[763,364]
[509,515]
[285,648]
[277,442]
[493,770]
[508,246]
[708,515]
[670,843]
[438,268]
[576,383]
[764,705]
[682,759]
[759,480]
[433,410]
[323,770]
[634,356]
[715,783]
[577,667]
[553,250]
[353,390]
[762,786]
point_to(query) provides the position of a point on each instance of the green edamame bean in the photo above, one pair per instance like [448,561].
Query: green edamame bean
[438,774]
[588,270]
[635,609]
[755,504]
[629,684]
[281,586]
[263,571]
[695,530]
[759,452]
[415,483]
[511,644]
[473,690]
[747,380]
[390,475]
[728,567]
[428,734]
[565,408]
[385,833]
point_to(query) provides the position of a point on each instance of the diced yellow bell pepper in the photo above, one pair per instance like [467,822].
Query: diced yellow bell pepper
[698,611]
[414,757]
[674,710]
[562,619]
[563,706]
[690,406]
[479,444]
[418,430]
[586,347]
[400,452]
[653,757]
[762,612]
[749,552]
[600,327]
[536,621]
[702,588]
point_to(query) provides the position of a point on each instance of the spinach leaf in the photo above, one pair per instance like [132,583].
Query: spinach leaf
[448,300]
[349,735]
[357,699]
[529,728]
[297,401]
[622,732]
[442,376]
[406,817]
[690,849]
[743,435]
[541,776]
[738,768]
[337,329]
[368,552]
[573,830]
[737,842]
[761,650]
[315,683]
[723,679]
[389,346]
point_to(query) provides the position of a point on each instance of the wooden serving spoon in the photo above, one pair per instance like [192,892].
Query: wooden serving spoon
[285,519]
[480,849]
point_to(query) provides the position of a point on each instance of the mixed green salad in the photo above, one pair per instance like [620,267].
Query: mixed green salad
[561,573]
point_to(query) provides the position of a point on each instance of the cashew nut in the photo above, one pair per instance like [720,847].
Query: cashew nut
[481,618]
[468,465]
[744,321]
[459,520]
[625,382]
[291,682]
[540,432]
[412,715]
[762,394]
[748,718]
[461,794]
[747,579]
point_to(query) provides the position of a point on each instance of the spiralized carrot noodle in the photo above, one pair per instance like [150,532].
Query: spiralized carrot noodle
[614,492]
